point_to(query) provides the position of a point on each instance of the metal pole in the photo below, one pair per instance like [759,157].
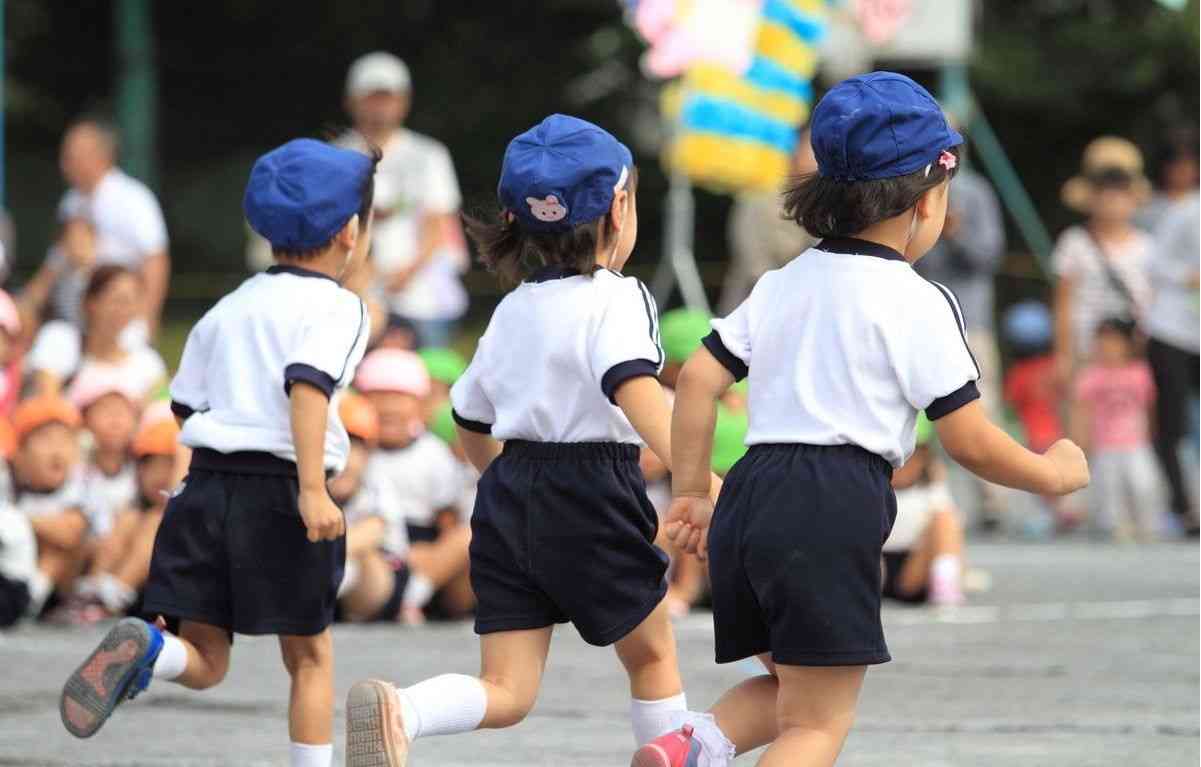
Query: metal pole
[679,266]
[3,148]
[957,93]
[137,89]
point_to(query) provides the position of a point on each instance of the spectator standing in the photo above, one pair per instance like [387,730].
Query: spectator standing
[966,260]
[127,227]
[1176,172]
[1174,326]
[417,246]
[1100,264]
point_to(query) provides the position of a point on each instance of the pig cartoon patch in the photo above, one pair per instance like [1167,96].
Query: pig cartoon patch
[548,209]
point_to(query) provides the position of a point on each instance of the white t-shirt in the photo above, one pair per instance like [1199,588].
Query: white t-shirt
[415,178]
[284,325]
[367,503]
[57,349]
[554,353]
[915,506]
[69,495]
[18,545]
[845,344]
[1094,297]
[1175,313]
[415,482]
[106,496]
[129,227]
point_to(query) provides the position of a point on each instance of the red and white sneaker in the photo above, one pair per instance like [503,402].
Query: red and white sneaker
[375,733]
[671,750]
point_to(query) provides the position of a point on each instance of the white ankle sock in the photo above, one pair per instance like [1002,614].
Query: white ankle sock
[443,705]
[716,748]
[172,659]
[418,591]
[304,755]
[946,568]
[652,718]
[115,595]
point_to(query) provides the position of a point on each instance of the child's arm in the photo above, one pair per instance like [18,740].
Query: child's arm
[988,452]
[364,535]
[310,415]
[645,406]
[1078,426]
[702,382]
[479,448]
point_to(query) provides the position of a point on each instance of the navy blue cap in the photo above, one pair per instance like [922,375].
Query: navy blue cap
[562,172]
[301,194]
[878,125]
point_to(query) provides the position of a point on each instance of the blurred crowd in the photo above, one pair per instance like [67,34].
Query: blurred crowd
[1108,356]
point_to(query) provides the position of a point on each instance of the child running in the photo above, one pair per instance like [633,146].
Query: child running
[844,346]
[251,543]
[565,377]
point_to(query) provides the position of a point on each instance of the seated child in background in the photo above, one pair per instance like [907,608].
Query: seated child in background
[1110,419]
[923,556]
[48,489]
[382,582]
[110,406]
[11,355]
[121,562]
[417,476]
[18,549]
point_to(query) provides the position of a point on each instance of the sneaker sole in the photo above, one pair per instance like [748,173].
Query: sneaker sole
[370,710]
[100,683]
[650,756]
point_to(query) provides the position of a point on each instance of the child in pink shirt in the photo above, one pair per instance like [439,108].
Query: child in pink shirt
[1114,396]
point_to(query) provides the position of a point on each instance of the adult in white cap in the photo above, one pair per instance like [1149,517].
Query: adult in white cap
[417,248]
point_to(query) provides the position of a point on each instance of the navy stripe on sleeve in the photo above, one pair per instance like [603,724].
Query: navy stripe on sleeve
[479,427]
[318,379]
[354,344]
[959,323]
[949,403]
[615,376]
[652,314]
[182,411]
[727,358]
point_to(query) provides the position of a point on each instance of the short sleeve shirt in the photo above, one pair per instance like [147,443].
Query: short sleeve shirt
[844,345]
[1119,401]
[415,482]
[555,352]
[1095,297]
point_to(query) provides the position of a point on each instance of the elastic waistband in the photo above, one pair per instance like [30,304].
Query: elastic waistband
[853,452]
[571,451]
[242,462]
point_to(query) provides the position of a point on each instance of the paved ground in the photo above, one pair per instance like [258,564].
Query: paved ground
[1079,655]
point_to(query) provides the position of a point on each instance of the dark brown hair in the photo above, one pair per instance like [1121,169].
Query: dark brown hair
[366,203]
[103,276]
[512,254]
[826,207]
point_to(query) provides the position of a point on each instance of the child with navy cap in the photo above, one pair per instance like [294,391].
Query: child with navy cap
[566,377]
[251,542]
[843,347]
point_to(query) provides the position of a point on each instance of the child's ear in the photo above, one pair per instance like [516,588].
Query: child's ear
[619,209]
[928,203]
[348,236]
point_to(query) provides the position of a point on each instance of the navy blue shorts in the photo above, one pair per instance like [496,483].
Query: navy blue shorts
[233,552]
[794,555]
[565,532]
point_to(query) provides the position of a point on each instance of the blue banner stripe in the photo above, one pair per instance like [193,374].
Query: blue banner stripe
[726,118]
[809,28]
[768,75]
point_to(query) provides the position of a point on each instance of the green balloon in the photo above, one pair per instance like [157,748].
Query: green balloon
[443,364]
[729,439]
[443,425]
[681,331]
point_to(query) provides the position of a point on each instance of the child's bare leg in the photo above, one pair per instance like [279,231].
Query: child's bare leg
[649,656]
[814,713]
[742,712]
[940,546]
[442,559]
[371,590]
[511,666]
[135,569]
[112,548]
[207,658]
[310,662]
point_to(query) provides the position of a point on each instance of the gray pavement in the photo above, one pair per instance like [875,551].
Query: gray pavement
[1077,655]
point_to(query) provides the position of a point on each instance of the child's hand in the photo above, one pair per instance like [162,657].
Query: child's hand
[1069,461]
[321,516]
[688,524]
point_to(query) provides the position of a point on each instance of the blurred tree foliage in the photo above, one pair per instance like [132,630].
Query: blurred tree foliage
[238,76]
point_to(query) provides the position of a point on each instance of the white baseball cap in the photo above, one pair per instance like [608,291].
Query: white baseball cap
[378,71]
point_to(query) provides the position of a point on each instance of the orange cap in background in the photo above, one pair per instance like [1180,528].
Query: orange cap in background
[359,417]
[41,410]
[160,437]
